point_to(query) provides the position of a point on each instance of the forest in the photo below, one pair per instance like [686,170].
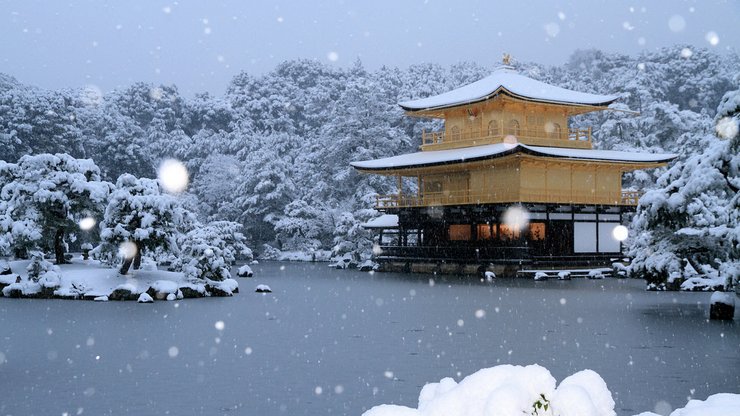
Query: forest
[272,153]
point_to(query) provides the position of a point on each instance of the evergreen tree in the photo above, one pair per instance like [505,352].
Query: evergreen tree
[43,198]
[691,223]
[140,218]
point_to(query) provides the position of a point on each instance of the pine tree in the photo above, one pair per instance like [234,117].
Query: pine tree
[43,198]
[691,222]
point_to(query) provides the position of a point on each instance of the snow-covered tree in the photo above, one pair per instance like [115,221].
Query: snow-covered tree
[351,237]
[43,198]
[140,218]
[690,224]
[209,250]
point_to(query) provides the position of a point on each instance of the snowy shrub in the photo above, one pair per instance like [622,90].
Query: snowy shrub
[39,267]
[510,390]
[225,235]
[204,261]
[208,251]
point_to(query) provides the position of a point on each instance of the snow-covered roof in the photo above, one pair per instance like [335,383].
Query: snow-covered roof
[383,221]
[492,151]
[508,81]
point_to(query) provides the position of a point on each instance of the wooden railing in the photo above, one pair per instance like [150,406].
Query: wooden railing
[627,198]
[580,138]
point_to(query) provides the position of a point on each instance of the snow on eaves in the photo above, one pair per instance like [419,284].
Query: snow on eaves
[510,82]
[492,151]
[383,221]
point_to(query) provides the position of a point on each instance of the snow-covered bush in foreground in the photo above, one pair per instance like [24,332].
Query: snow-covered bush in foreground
[690,225]
[508,390]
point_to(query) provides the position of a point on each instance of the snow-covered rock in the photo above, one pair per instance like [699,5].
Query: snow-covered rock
[367,265]
[171,297]
[24,288]
[145,298]
[703,284]
[126,291]
[564,275]
[263,289]
[540,276]
[722,306]
[489,275]
[160,289]
[596,274]
[101,299]
[5,268]
[245,271]
[226,287]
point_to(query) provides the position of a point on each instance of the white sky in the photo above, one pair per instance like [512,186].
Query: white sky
[201,45]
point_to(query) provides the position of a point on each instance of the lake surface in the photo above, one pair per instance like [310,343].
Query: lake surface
[339,342]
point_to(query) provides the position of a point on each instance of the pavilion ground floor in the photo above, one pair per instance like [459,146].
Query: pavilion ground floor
[472,238]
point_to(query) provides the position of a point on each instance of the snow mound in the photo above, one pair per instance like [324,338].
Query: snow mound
[703,284]
[4,267]
[172,296]
[224,287]
[101,299]
[722,404]
[165,286]
[245,271]
[145,298]
[510,390]
[539,276]
[490,276]
[583,393]
[595,274]
[263,289]
[50,280]
[25,288]
[564,275]
[726,298]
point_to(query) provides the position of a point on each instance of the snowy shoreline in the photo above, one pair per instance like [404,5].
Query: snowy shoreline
[91,280]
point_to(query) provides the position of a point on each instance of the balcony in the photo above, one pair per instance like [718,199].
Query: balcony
[537,136]
[384,202]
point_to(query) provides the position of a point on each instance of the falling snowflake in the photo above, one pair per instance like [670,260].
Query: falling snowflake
[552,29]
[727,128]
[676,23]
[87,223]
[173,176]
[712,38]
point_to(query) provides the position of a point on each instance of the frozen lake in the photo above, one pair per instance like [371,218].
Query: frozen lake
[338,342]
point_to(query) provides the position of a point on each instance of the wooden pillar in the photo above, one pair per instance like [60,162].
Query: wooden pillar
[400,190]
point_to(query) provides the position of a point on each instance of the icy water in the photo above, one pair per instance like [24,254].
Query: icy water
[339,342]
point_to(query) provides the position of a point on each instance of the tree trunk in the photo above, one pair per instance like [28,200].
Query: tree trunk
[137,258]
[126,265]
[59,246]
[135,261]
